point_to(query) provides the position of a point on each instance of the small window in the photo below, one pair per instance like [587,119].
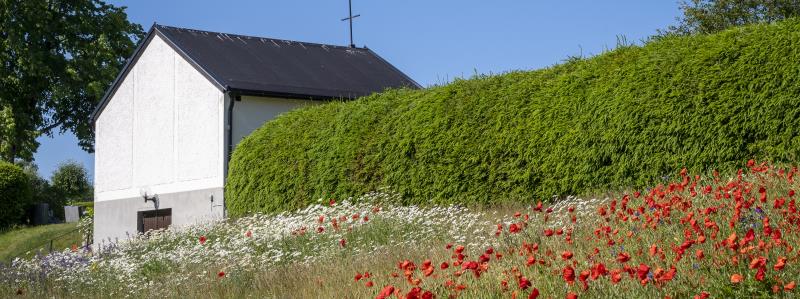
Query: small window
[155,219]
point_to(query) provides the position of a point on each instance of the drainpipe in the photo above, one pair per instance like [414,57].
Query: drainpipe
[233,99]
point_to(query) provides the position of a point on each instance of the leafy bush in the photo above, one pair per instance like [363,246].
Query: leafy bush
[15,194]
[616,120]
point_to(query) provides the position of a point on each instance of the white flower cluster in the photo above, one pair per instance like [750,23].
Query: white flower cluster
[367,224]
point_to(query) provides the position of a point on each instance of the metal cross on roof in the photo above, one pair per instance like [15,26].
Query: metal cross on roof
[350,18]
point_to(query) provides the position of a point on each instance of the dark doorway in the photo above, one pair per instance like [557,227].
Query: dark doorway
[155,219]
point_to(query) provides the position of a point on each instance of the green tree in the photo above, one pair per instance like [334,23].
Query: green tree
[70,181]
[57,57]
[709,16]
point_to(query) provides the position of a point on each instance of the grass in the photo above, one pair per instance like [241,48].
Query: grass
[25,241]
[283,255]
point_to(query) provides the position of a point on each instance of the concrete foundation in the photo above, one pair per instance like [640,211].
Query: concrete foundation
[116,220]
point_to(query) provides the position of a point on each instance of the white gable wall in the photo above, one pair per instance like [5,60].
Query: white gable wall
[161,132]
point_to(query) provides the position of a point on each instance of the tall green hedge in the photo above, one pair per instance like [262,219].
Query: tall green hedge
[15,194]
[624,118]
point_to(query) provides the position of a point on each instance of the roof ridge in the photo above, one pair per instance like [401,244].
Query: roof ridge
[258,37]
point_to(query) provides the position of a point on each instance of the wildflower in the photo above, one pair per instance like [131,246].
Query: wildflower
[780,264]
[444,265]
[568,274]
[572,295]
[642,271]
[758,262]
[566,255]
[736,278]
[616,276]
[342,242]
[358,276]
[599,270]
[203,240]
[702,295]
[369,284]
[789,286]
[248,234]
[386,292]
[332,202]
[221,274]
[514,228]
[523,283]
[534,294]
[623,257]
[760,274]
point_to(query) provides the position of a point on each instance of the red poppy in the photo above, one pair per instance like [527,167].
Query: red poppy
[616,276]
[386,292]
[221,274]
[599,270]
[758,262]
[699,254]
[572,295]
[523,283]
[202,240]
[780,264]
[444,265]
[653,250]
[583,277]
[760,274]
[703,295]
[642,271]
[568,274]
[358,276]
[736,278]
[534,294]
[369,284]
[623,257]
[414,293]
[342,242]
[332,202]
[548,232]
[514,228]
[566,255]
[248,234]
[789,286]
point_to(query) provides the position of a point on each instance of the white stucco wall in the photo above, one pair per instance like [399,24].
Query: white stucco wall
[252,112]
[161,130]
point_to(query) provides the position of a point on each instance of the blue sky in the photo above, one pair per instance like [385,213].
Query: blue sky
[431,41]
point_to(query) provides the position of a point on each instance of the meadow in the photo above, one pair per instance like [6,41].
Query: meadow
[692,236]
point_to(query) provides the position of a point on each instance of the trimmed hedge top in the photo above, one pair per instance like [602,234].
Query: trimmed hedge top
[621,119]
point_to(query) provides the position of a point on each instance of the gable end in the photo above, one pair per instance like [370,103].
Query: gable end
[135,58]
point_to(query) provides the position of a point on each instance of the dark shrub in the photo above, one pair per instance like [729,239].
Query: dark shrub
[15,194]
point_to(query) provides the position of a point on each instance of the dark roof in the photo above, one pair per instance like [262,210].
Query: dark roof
[274,67]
